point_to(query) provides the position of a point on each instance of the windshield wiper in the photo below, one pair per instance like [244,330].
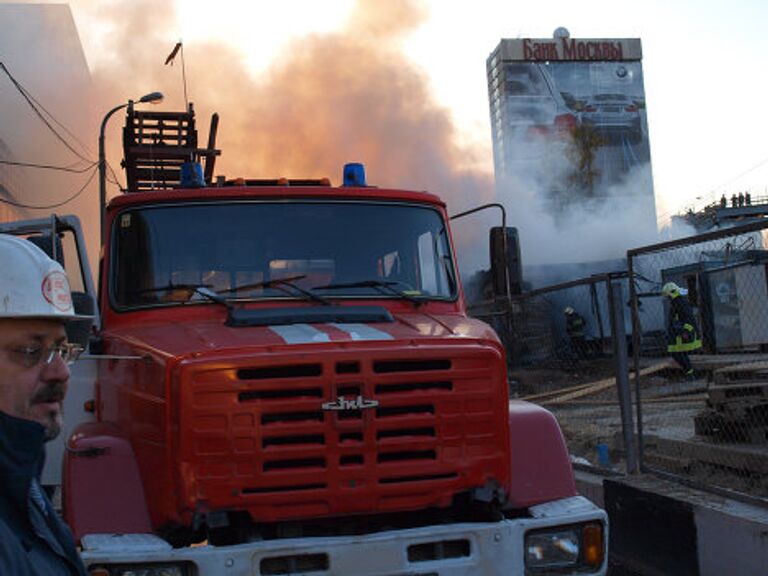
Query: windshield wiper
[170,286]
[190,289]
[212,295]
[286,285]
[181,293]
[383,286]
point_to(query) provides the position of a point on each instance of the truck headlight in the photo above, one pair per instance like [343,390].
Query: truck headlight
[164,569]
[565,547]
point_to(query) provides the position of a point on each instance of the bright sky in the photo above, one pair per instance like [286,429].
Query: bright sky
[703,63]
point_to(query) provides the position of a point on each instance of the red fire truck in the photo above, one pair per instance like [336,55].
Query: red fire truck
[283,379]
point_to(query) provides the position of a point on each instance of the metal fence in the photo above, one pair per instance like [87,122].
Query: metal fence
[708,428]
[573,375]
[707,424]
[533,325]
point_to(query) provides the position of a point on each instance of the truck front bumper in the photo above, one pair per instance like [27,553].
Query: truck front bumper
[445,550]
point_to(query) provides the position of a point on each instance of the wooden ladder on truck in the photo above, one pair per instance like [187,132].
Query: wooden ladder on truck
[157,144]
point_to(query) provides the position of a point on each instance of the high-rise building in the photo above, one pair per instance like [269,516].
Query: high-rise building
[568,120]
[11,178]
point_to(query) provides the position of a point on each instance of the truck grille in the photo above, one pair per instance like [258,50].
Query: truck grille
[339,436]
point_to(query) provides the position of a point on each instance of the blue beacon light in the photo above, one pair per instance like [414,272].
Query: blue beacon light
[354,174]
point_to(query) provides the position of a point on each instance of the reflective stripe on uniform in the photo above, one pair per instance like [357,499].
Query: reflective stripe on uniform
[680,346]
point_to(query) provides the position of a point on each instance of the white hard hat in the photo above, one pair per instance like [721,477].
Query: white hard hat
[568,310]
[31,284]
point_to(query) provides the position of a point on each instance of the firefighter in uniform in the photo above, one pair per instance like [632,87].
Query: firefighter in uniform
[575,327]
[35,303]
[683,337]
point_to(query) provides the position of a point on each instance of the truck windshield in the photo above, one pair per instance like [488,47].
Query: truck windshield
[239,249]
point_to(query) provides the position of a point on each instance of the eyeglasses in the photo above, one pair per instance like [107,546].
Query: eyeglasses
[30,356]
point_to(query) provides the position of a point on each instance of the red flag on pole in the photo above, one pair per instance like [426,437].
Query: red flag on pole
[173,53]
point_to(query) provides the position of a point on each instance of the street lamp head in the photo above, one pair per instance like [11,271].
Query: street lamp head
[152,97]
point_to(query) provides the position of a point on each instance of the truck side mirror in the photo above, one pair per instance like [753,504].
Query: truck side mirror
[500,264]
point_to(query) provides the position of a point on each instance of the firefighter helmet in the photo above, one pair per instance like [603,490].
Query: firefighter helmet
[671,290]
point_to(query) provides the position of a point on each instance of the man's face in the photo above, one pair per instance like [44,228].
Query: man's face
[32,392]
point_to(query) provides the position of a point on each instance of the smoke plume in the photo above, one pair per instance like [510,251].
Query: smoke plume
[326,100]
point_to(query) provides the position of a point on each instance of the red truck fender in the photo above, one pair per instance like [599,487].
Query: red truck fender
[541,465]
[102,491]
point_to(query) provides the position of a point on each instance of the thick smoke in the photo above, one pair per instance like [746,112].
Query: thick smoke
[602,228]
[331,98]
[327,99]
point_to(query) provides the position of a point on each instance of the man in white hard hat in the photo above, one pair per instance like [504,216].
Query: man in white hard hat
[35,304]
[683,337]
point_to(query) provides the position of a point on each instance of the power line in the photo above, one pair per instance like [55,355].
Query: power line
[49,166]
[114,179]
[719,188]
[32,103]
[50,206]
[732,180]
[61,125]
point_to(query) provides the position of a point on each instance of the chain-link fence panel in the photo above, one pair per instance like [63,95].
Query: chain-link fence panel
[553,327]
[561,353]
[700,351]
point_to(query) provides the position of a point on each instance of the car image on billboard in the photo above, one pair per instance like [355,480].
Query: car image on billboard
[613,114]
[535,108]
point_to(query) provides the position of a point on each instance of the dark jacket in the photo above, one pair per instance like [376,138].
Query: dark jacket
[683,335]
[574,325]
[33,539]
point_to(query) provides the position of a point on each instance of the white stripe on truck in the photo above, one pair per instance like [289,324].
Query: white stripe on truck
[363,332]
[300,334]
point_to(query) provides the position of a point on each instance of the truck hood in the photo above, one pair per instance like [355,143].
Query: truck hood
[188,337]
[322,419]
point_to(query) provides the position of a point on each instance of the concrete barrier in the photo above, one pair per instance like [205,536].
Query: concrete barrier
[660,527]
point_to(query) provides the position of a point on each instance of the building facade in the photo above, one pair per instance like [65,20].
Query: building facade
[10,187]
[43,57]
[568,120]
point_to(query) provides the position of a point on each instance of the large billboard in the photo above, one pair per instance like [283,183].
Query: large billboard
[569,117]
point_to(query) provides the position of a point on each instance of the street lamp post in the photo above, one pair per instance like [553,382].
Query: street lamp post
[154,97]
